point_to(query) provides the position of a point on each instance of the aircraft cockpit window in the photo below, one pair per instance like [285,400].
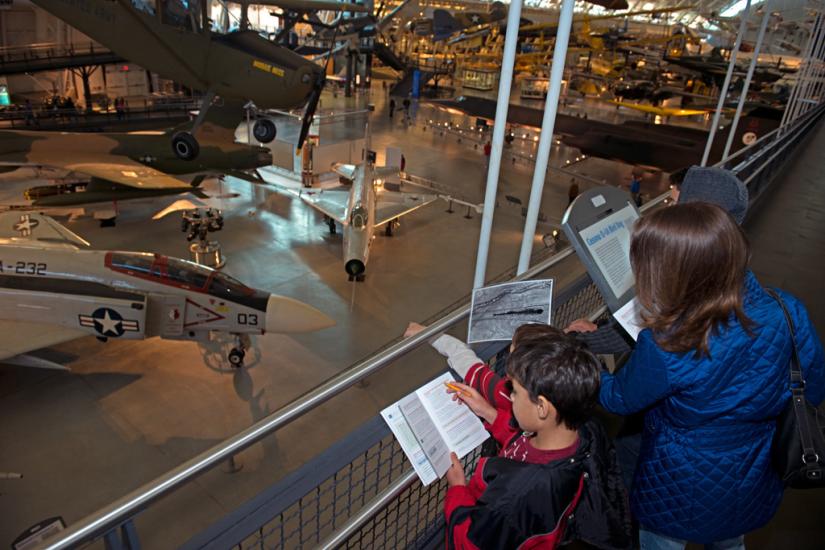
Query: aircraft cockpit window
[358,219]
[226,287]
[187,273]
[137,263]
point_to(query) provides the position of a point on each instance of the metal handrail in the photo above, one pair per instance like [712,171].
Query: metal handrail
[128,506]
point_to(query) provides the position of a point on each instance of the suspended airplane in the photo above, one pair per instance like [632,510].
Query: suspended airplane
[180,45]
[363,207]
[445,24]
[659,146]
[53,289]
[121,166]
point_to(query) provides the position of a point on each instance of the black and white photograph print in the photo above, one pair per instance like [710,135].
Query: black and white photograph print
[497,311]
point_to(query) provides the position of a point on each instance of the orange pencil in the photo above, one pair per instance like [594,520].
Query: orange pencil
[457,389]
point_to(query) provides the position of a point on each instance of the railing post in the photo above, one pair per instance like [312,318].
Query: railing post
[548,123]
[751,68]
[723,93]
[494,166]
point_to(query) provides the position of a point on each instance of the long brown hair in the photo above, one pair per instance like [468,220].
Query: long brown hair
[689,261]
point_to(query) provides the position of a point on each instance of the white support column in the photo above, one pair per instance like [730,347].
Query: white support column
[502,105]
[548,123]
[743,96]
[723,93]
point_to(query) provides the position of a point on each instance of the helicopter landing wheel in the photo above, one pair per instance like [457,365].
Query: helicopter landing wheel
[185,146]
[264,130]
[236,357]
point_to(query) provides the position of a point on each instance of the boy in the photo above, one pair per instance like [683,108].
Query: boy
[554,462]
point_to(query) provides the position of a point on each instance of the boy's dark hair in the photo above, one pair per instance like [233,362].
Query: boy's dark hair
[561,370]
[531,331]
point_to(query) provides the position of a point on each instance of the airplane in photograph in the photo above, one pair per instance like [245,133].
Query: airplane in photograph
[121,166]
[446,24]
[659,146]
[362,208]
[179,44]
[54,289]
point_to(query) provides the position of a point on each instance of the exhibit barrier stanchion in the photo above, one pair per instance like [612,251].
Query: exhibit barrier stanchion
[723,93]
[502,106]
[743,95]
[546,138]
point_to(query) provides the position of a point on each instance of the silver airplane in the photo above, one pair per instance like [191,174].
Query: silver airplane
[53,289]
[363,207]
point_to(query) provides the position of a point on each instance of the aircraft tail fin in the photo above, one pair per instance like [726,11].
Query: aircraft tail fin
[37,227]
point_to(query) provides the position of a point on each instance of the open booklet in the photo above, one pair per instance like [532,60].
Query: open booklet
[429,424]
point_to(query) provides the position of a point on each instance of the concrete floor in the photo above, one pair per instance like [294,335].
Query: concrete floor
[131,410]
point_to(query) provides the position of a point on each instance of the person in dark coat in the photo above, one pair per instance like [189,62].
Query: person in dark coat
[710,372]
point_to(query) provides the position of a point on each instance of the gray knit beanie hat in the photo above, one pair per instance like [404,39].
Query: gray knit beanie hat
[716,186]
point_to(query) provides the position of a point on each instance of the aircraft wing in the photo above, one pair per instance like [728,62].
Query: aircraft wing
[394,204]
[331,202]
[16,226]
[123,172]
[312,5]
[18,337]
[661,111]
[345,170]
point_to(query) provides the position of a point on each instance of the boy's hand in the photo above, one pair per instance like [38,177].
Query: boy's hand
[480,406]
[413,329]
[455,475]
[581,325]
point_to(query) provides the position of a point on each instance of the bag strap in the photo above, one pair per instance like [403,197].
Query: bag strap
[810,458]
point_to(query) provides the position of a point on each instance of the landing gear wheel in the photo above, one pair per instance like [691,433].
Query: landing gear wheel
[185,146]
[392,224]
[236,357]
[331,224]
[359,278]
[264,130]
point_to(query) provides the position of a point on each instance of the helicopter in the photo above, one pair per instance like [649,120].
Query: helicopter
[176,40]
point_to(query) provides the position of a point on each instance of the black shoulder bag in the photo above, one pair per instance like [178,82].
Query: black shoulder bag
[798,448]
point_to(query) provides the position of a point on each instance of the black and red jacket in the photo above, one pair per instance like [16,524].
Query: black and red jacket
[511,504]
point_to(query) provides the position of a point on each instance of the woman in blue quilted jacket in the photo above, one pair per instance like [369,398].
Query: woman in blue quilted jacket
[710,370]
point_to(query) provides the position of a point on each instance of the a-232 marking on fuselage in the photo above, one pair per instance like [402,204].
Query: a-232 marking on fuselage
[19,267]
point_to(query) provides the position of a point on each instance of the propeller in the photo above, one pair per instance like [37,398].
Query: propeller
[315,97]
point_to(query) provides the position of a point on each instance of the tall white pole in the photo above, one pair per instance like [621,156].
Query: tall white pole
[723,93]
[502,105]
[815,80]
[548,123]
[743,96]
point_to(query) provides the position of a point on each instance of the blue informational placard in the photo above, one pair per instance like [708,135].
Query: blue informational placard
[416,83]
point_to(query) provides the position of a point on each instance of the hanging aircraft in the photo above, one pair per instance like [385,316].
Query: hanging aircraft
[54,289]
[363,207]
[179,44]
[121,166]
[659,146]
[445,24]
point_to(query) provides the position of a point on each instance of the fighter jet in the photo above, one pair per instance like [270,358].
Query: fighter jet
[363,207]
[53,289]
[122,166]
[177,43]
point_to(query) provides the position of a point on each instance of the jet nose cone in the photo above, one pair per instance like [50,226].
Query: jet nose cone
[289,316]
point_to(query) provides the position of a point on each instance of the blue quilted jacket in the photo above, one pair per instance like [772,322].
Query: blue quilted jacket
[704,472]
